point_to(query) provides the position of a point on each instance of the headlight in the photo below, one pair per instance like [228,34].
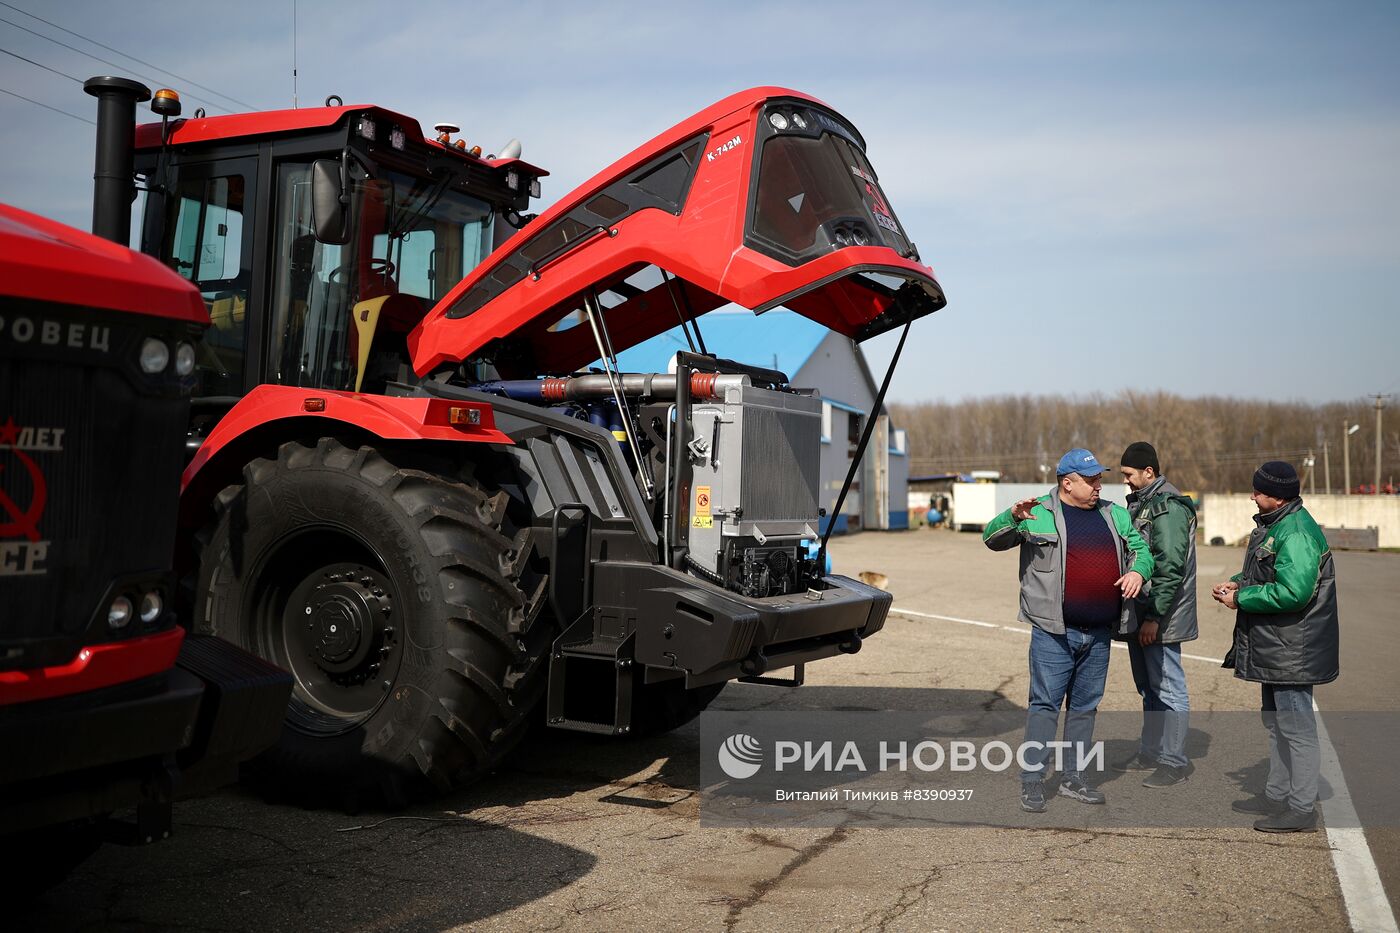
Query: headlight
[154,355]
[799,121]
[151,607]
[184,359]
[119,613]
[779,121]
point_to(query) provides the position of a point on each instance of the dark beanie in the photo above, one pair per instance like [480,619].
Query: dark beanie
[1140,455]
[1277,479]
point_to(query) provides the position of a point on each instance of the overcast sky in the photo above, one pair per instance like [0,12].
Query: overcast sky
[1202,198]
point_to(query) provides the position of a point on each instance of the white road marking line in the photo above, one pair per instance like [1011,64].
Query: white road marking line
[1368,908]
[1018,629]
[929,615]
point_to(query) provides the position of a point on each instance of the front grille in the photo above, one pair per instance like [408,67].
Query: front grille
[90,471]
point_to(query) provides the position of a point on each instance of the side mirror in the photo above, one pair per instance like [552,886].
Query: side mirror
[329,214]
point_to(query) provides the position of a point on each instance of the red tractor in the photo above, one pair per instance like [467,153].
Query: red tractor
[417,479]
[105,704]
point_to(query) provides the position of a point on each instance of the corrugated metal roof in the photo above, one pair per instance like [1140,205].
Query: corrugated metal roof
[778,340]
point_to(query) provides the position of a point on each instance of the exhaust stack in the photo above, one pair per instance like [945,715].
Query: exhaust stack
[114,185]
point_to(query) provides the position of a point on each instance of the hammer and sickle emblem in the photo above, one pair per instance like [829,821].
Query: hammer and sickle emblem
[15,521]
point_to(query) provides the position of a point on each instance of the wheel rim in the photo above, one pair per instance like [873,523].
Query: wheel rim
[325,609]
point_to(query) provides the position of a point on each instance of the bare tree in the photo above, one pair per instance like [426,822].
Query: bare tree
[1209,444]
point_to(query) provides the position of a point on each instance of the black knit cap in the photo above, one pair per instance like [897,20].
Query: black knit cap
[1140,455]
[1277,479]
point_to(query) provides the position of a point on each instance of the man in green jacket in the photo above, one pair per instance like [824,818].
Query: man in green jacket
[1082,563]
[1286,640]
[1167,616]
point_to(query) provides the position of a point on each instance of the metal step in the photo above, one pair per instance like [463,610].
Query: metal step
[590,681]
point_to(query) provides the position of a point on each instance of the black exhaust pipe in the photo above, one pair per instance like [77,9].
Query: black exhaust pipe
[113,181]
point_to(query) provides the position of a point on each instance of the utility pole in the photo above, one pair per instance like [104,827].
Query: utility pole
[1380,404]
[1327,468]
[1309,462]
[1347,431]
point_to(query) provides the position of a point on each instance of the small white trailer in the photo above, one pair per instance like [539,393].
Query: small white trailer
[976,504]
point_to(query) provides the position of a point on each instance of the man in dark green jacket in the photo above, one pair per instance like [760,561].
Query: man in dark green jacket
[1167,616]
[1082,563]
[1286,640]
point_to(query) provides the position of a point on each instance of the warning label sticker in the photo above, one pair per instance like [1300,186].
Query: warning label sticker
[702,517]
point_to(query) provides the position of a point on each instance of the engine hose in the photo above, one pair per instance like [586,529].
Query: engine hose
[710,575]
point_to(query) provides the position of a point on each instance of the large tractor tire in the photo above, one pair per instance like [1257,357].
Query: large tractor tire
[403,602]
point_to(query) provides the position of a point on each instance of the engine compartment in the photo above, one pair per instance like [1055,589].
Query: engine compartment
[726,455]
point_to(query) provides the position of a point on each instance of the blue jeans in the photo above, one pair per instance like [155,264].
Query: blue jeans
[1294,758]
[1161,682]
[1074,666]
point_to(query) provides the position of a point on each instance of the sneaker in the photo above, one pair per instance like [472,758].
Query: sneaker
[1289,821]
[1260,805]
[1076,789]
[1165,776]
[1139,762]
[1033,796]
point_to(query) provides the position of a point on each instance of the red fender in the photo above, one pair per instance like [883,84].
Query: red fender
[417,418]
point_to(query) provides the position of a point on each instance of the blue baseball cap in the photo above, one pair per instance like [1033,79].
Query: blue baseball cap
[1079,461]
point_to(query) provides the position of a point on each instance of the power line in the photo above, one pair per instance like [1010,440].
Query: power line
[46,106]
[61,74]
[96,58]
[243,104]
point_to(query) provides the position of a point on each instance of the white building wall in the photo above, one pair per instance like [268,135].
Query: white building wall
[1231,516]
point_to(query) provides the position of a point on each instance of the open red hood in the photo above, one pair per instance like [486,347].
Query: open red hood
[764,199]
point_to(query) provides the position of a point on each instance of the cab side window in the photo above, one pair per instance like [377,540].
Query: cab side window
[205,245]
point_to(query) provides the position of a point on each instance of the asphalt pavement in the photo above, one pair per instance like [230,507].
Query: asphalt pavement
[578,832]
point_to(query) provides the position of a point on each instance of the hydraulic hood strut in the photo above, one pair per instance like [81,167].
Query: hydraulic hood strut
[860,449]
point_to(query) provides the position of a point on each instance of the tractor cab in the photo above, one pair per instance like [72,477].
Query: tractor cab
[318,238]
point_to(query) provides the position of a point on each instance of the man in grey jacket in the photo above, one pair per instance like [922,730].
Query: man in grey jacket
[1167,617]
[1286,640]
[1082,563]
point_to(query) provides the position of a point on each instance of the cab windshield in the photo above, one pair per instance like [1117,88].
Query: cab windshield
[341,314]
[817,193]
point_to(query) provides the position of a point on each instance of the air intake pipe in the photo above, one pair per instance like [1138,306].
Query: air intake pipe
[113,179]
[592,387]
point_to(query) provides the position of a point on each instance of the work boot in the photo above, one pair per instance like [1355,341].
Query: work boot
[1033,796]
[1139,762]
[1289,821]
[1260,805]
[1165,776]
[1076,789]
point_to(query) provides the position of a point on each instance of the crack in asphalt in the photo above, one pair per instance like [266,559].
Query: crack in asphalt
[760,889]
[909,896]
[769,842]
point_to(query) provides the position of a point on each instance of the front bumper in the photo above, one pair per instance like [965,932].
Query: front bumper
[683,624]
[180,732]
